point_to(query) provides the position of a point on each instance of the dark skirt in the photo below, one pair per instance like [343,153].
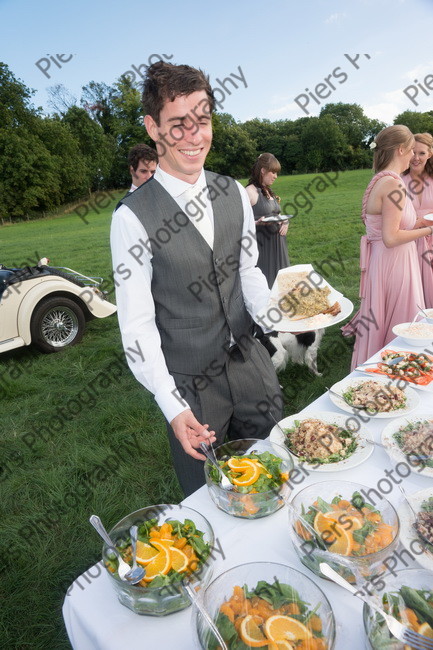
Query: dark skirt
[273,254]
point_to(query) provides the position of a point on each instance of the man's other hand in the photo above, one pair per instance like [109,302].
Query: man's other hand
[191,433]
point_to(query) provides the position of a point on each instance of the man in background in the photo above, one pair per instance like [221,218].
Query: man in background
[142,162]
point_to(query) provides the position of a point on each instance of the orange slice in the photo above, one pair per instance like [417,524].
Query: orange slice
[238,464]
[325,527]
[285,628]
[251,634]
[161,564]
[179,561]
[248,477]
[346,521]
[145,552]
[280,645]
[426,630]
[162,544]
[343,543]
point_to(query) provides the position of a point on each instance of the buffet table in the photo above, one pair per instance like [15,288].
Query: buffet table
[95,620]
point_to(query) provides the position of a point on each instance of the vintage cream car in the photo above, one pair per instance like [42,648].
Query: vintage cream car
[47,306]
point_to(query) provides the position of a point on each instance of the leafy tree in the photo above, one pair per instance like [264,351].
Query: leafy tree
[416,122]
[351,120]
[29,175]
[130,130]
[15,107]
[324,146]
[233,152]
[97,148]
[58,139]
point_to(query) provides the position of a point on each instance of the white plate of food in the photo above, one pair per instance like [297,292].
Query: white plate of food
[382,397]
[422,503]
[278,218]
[324,441]
[409,440]
[302,300]
[416,368]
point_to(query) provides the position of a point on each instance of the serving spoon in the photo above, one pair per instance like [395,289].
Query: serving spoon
[123,569]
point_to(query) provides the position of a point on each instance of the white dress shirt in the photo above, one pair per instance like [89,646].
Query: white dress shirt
[135,305]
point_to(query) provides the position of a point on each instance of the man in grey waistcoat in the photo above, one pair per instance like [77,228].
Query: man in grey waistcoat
[188,288]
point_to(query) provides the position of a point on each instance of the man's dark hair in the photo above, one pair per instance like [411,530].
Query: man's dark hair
[141,152]
[167,81]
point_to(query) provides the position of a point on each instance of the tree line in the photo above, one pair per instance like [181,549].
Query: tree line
[81,147]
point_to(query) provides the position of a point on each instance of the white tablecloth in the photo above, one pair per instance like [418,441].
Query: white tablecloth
[95,620]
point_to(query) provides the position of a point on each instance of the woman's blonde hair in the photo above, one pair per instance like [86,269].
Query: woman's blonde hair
[387,142]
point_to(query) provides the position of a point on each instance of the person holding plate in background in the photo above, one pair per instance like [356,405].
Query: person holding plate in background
[271,235]
[419,181]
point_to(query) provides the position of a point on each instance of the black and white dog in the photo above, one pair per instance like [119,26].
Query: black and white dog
[299,348]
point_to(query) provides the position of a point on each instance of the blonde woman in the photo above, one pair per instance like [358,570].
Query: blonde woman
[391,285]
[419,182]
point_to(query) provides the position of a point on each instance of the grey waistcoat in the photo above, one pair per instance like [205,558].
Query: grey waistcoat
[197,292]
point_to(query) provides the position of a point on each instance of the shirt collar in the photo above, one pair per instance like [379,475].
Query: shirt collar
[174,186]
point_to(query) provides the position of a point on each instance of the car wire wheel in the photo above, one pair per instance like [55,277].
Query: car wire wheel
[56,324]
[59,326]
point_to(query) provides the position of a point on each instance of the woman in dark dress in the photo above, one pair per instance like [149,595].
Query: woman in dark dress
[271,237]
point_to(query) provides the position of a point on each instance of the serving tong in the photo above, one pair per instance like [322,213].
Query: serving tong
[226,484]
[397,629]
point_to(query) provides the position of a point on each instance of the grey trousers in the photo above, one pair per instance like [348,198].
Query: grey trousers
[235,404]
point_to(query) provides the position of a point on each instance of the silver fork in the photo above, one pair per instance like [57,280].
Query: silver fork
[400,631]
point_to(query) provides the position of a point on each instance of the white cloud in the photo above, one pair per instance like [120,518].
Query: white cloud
[419,72]
[287,108]
[335,19]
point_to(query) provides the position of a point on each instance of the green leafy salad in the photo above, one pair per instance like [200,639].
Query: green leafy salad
[252,473]
[412,607]
[415,439]
[184,537]
[267,614]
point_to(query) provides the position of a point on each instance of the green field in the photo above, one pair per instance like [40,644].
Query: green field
[110,456]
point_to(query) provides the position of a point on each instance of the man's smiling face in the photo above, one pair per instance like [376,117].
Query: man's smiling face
[184,135]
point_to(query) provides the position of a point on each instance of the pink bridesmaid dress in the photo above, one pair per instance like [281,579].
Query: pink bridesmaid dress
[390,286]
[423,204]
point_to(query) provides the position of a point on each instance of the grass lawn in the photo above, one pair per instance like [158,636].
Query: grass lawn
[54,477]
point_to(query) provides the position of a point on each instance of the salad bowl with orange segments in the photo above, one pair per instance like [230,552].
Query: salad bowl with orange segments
[259,473]
[266,605]
[336,522]
[174,545]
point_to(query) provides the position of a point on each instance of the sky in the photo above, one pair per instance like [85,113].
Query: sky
[282,59]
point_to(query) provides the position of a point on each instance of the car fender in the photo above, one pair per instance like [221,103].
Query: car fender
[44,287]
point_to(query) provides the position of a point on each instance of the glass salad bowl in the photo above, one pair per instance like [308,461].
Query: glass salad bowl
[408,595]
[174,544]
[265,601]
[259,472]
[346,525]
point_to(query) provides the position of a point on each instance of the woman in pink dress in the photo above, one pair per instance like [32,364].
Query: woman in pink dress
[419,182]
[391,285]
